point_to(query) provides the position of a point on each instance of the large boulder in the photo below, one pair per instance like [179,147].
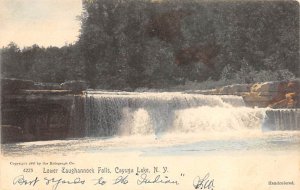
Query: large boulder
[278,94]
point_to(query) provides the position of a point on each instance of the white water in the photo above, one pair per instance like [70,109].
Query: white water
[159,114]
[172,123]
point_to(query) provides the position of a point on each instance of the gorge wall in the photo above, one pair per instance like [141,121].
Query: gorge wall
[39,111]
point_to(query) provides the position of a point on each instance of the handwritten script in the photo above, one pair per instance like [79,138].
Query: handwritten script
[143,179]
[203,183]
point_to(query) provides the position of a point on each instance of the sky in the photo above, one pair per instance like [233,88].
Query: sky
[42,22]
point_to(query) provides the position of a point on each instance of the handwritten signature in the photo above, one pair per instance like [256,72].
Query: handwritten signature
[203,183]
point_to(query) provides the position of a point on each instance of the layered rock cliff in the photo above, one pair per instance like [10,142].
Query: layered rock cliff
[275,94]
[40,111]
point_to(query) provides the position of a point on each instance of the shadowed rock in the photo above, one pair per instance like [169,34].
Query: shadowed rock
[14,86]
[41,111]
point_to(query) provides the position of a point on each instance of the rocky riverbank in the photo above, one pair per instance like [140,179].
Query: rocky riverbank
[275,94]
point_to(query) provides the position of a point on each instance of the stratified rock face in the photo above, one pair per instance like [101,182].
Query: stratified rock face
[41,111]
[279,94]
[14,86]
[41,116]
[10,133]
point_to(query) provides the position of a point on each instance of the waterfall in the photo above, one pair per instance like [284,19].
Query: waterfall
[125,113]
[282,119]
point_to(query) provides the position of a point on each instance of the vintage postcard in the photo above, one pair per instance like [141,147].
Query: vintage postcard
[150,94]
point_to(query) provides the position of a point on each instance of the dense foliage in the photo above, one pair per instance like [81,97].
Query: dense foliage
[41,64]
[126,44]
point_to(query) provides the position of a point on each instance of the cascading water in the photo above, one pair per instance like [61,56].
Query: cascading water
[109,114]
[282,119]
[170,123]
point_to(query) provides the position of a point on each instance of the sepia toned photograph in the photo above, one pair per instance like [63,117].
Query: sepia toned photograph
[150,94]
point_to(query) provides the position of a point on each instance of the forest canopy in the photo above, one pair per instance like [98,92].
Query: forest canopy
[129,44]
